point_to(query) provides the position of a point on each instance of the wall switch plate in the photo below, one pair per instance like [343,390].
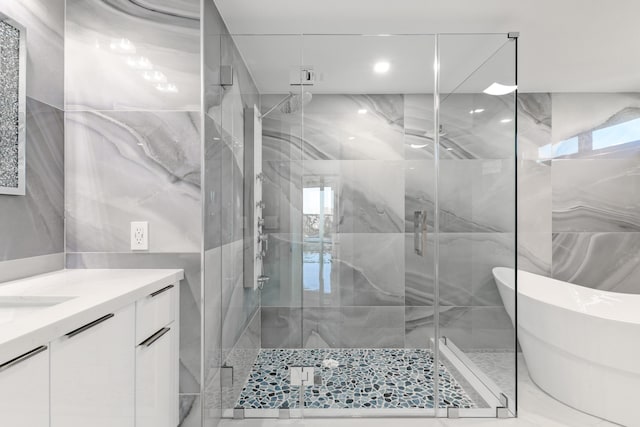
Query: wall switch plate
[139,236]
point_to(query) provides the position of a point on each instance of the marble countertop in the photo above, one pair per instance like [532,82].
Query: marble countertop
[80,296]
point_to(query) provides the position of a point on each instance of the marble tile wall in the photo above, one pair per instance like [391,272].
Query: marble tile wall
[33,225]
[133,150]
[596,190]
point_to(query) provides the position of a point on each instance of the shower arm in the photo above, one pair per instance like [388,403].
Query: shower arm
[285,99]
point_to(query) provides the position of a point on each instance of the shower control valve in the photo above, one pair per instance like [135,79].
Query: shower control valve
[260,177]
[261,204]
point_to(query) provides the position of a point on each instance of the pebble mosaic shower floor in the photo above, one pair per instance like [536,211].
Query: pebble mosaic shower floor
[364,378]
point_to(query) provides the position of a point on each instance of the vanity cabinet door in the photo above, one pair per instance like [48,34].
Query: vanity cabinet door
[93,372]
[155,380]
[24,389]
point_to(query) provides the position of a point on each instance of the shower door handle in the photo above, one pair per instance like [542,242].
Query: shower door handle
[419,231]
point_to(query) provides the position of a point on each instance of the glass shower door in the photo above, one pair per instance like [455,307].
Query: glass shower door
[476,224]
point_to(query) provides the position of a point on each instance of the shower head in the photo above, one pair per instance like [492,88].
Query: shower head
[292,103]
[296,102]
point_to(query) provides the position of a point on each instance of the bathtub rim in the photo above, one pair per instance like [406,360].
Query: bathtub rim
[567,300]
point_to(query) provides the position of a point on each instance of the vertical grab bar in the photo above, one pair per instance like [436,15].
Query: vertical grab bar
[419,231]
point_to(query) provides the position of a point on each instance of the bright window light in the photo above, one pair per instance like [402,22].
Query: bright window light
[619,134]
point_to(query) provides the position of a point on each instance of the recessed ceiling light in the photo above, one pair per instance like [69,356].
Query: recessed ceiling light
[497,89]
[506,120]
[478,110]
[449,149]
[418,145]
[351,138]
[362,111]
[381,67]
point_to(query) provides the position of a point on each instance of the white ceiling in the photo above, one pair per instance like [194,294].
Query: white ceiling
[564,45]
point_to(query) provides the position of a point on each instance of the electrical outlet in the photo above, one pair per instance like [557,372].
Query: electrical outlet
[139,236]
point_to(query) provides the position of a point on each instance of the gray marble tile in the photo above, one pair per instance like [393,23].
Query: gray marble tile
[134,166]
[353,327]
[335,130]
[283,264]
[33,224]
[419,183]
[367,201]
[474,195]
[215,151]
[190,413]
[223,190]
[283,196]
[281,133]
[44,21]
[534,196]
[189,300]
[465,264]
[481,134]
[418,127]
[534,252]
[101,75]
[596,195]
[534,124]
[469,328]
[606,261]
[238,303]
[281,327]
[352,275]
[477,195]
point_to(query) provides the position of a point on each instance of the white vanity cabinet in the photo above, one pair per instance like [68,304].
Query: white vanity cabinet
[93,373]
[157,359]
[105,357]
[24,389]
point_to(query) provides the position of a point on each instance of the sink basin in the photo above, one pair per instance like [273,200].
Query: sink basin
[13,307]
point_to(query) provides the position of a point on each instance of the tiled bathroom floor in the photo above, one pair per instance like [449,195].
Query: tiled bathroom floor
[536,409]
[364,378]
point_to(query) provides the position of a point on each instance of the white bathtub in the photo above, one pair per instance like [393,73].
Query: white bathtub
[582,346]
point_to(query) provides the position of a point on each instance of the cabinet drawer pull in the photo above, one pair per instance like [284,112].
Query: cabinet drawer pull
[155,337]
[96,322]
[22,358]
[159,291]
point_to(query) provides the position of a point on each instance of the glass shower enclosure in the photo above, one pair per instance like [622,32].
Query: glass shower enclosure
[365,187]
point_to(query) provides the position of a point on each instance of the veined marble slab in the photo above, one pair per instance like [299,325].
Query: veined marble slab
[596,195]
[110,44]
[336,127]
[134,166]
[605,261]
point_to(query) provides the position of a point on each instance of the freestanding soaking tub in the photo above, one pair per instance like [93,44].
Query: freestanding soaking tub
[581,345]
